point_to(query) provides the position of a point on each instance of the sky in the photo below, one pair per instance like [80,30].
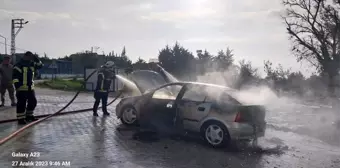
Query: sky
[253,29]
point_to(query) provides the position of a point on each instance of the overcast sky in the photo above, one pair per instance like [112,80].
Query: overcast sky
[61,27]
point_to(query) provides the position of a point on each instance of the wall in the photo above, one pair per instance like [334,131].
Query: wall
[64,67]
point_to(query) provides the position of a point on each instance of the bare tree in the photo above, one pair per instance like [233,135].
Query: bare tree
[314,27]
[278,76]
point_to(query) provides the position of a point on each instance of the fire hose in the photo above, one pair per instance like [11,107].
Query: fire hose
[47,116]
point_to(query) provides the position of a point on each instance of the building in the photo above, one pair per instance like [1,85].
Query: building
[62,67]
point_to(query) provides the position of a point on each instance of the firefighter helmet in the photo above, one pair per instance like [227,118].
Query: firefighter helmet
[109,64]
[29,53]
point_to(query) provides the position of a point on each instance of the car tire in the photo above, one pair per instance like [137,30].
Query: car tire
[129,115]
[215,134]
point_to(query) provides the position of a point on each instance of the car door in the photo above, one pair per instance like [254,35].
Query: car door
[192,107]
[162,101]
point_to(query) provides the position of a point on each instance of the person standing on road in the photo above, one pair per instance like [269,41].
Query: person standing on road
[6,71]
[23,79]
[105,76]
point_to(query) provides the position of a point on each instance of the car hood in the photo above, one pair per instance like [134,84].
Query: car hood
[147,80]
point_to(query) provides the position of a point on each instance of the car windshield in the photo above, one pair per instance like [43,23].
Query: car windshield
[168,92]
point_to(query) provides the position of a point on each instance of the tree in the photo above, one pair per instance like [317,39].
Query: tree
[45,59]
[205,56]
[66,58]
[248,74]
[123,52]
[140,64]
[296,82]
[314,28]
[278,77]
[224,60]
[166,59]
[183,59]
[205,62]
[270,72]
[83,60]
[177,60]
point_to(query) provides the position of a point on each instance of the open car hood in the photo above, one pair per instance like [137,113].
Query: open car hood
[146,79]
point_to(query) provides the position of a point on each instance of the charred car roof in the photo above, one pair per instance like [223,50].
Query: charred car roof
[151,80]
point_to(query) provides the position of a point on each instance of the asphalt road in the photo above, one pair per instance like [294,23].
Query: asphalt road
[84,141]
[298,135]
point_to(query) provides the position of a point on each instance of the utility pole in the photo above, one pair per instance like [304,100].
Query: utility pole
[17,25]
[5,43]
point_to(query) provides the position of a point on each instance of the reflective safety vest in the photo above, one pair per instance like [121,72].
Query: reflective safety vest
[104,81]
[23,74]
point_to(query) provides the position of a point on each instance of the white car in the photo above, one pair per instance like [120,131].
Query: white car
[207,109]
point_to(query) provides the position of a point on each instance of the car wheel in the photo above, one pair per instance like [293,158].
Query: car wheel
[215,134]
[129,115]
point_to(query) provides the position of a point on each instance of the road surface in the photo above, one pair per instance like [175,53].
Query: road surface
[297,136]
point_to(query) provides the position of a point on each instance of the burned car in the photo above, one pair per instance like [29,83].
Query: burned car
[207,109]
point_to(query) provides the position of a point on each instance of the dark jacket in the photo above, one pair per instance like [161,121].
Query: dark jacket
[104,81]
[6,72]
[23,74]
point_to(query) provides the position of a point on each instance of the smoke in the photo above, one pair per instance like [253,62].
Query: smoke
[250,94]
[256,95]
[228,77]
[286,111]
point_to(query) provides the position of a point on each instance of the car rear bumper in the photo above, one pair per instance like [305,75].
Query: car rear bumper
[245,131]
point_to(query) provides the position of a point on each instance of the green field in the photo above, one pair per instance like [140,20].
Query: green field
[63,84]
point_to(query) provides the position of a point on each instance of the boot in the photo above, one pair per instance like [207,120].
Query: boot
[22,121]
[95,114]
[31,118]
[13,104]
[2,104]
[106,114]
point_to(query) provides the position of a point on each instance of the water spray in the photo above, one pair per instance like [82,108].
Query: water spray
[170,77]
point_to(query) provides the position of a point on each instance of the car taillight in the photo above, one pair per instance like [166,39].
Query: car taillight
[238,117]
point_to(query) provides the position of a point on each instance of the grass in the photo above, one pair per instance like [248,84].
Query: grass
[62,84]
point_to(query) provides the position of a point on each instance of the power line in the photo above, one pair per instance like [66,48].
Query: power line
[19,48]
[15,47]
[25,50]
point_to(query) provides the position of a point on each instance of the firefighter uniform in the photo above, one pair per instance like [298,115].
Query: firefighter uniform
[23,79]
[104,81]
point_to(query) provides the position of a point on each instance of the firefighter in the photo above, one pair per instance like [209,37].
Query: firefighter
[23,79]
[105,76]
[6,69]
